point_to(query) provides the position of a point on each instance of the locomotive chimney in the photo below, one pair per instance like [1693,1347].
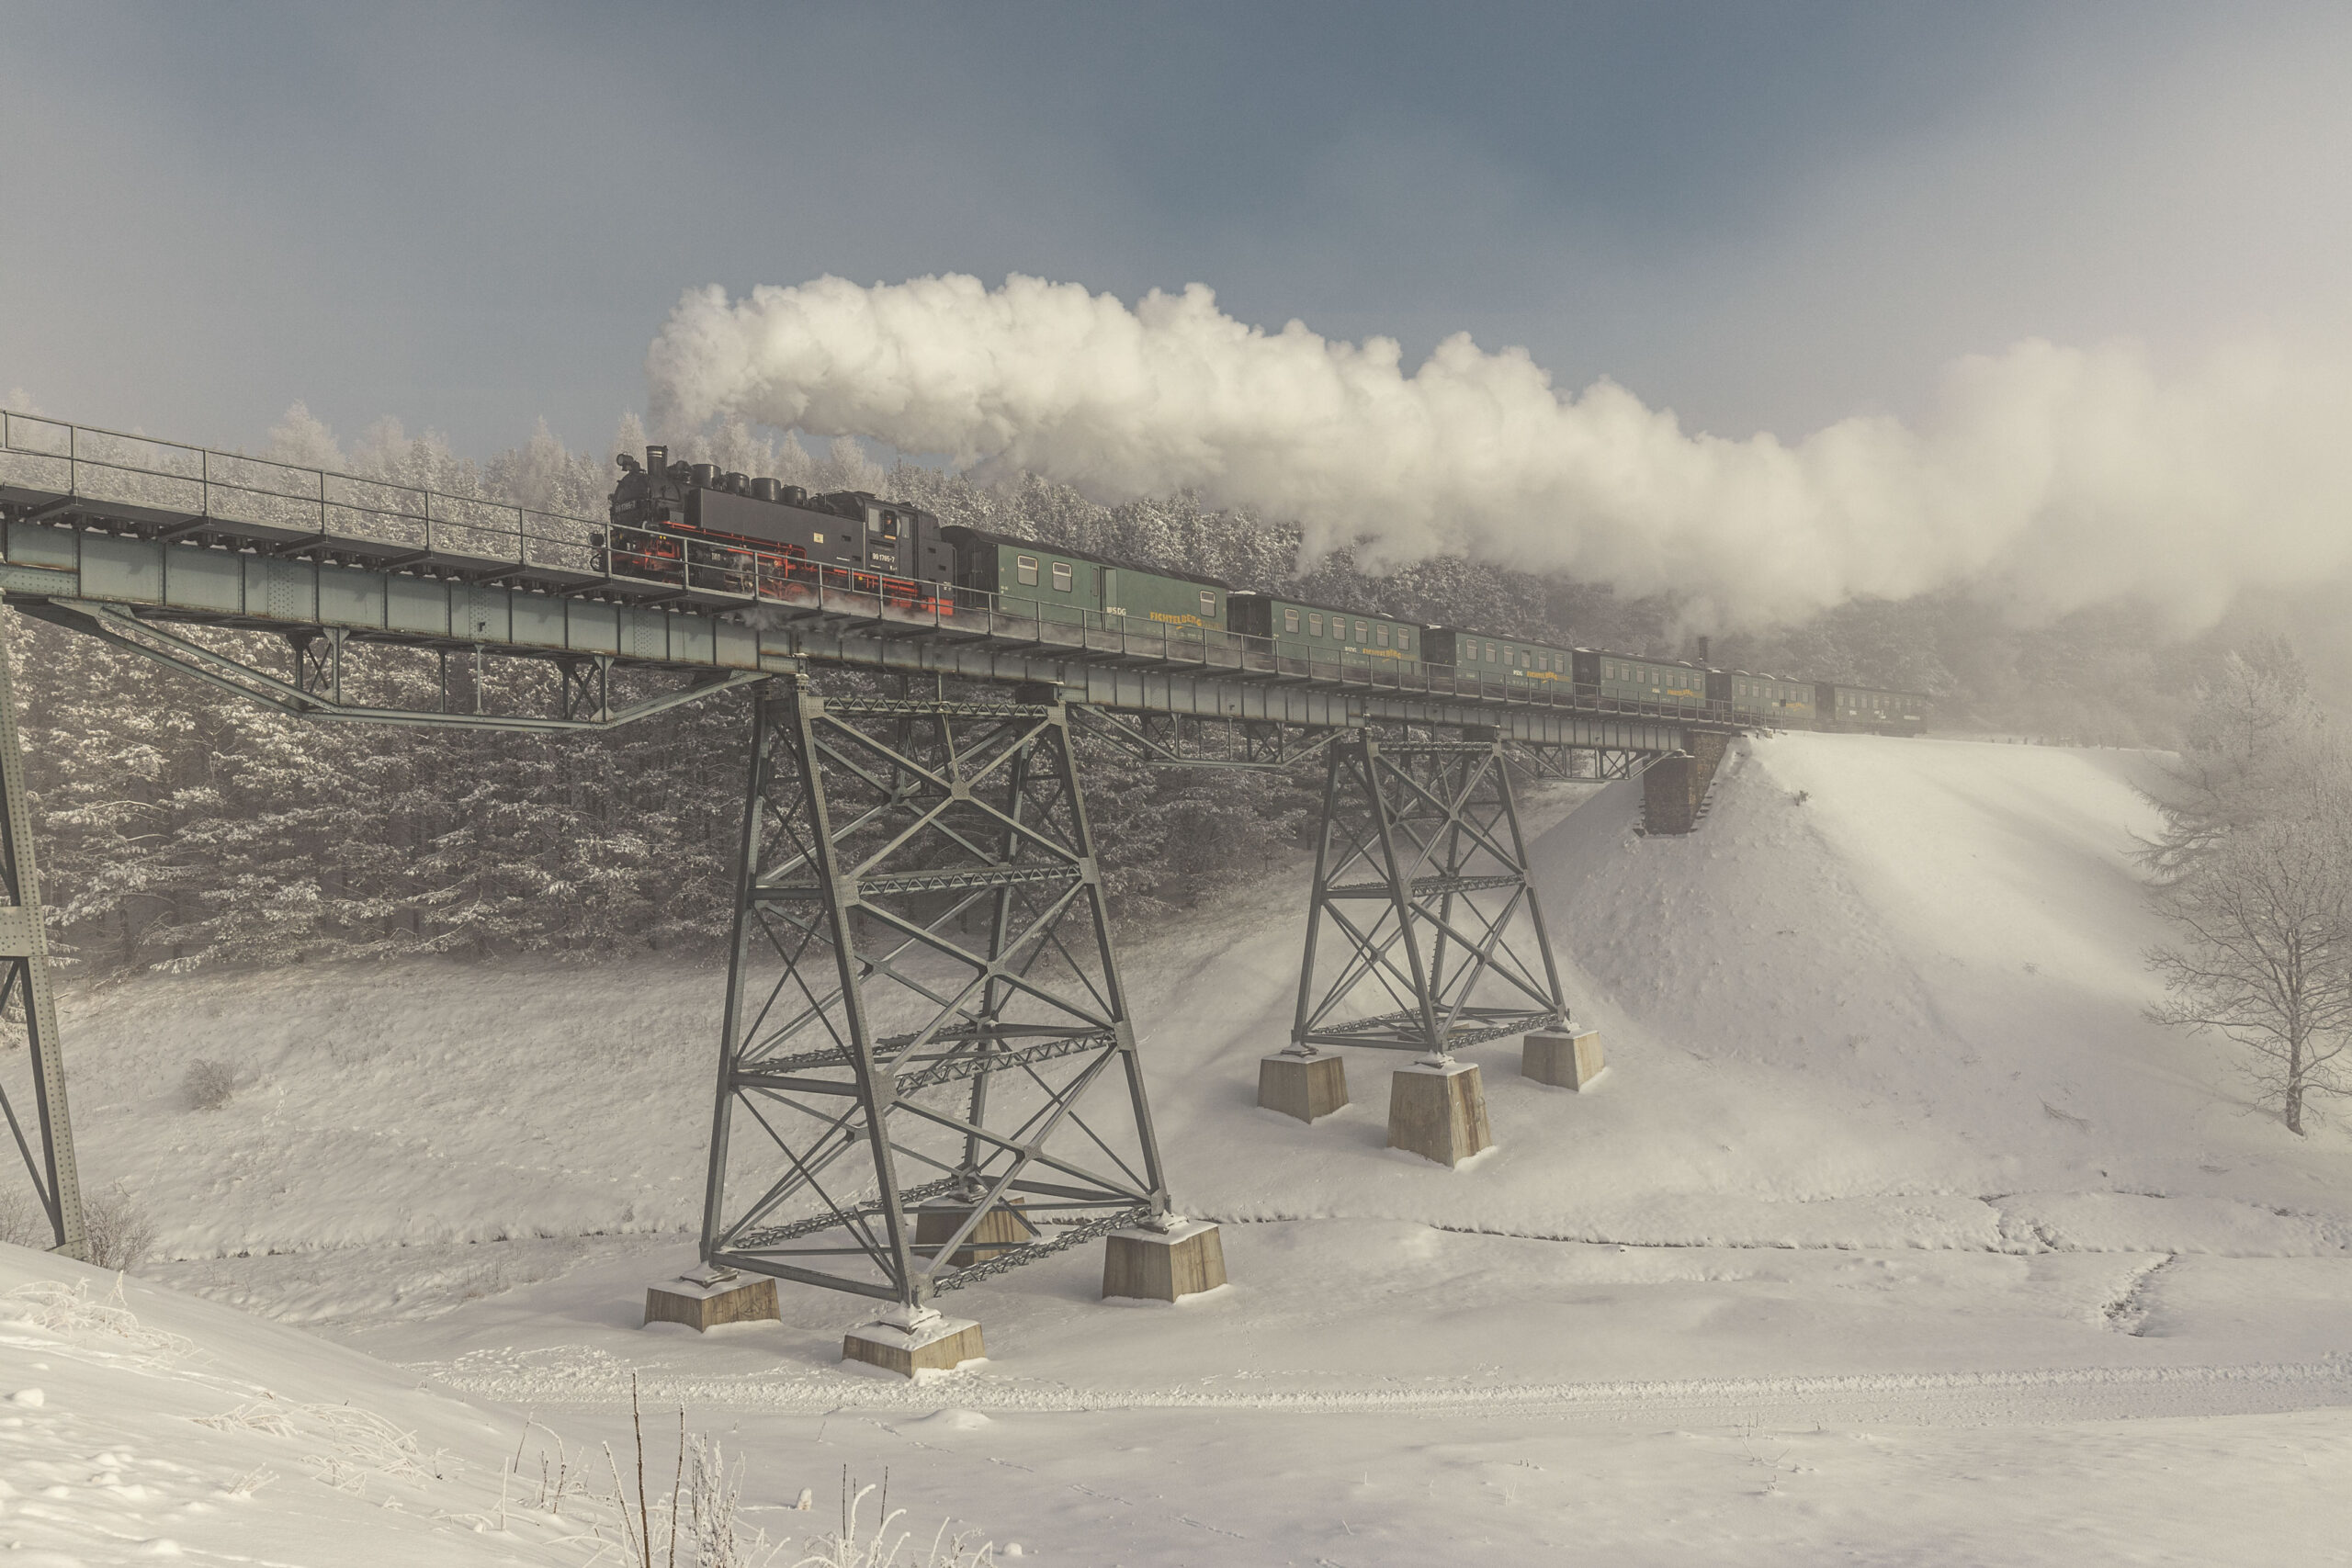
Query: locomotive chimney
[657,459]
[1702,651]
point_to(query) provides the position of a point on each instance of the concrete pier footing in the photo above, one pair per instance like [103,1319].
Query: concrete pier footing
[1000,1228]
[704,1300]
[1438,1111]
[1303,1087]
[1164,1265]
[1569,1061]
[931,1344]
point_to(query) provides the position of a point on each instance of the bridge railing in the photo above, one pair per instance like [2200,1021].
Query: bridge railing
[176,485]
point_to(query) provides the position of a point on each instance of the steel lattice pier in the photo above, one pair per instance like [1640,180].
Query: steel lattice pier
[923,1011]
[26,999]
[1424,933]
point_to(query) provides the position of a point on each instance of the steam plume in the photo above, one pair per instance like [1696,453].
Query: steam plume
[2050,477]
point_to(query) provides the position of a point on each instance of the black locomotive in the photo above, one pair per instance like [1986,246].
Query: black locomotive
[691,524]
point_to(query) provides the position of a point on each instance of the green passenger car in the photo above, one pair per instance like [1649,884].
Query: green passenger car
[1773,699]
[1056,583]
[1873,708]
[1512,661]
[1303,636]
[1618,677]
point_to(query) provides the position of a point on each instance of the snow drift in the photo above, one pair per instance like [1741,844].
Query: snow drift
[2052,477]
[142,1422]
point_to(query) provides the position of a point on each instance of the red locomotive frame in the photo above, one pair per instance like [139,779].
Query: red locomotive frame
[736,563]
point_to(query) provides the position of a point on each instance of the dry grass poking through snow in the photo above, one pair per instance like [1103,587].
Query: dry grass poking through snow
[71,1313]
[697,1522]
[855,1547]
[121,1233]
[352,1446]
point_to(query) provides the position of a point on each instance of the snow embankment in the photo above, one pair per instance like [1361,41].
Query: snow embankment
[136,1422]
[1891,994]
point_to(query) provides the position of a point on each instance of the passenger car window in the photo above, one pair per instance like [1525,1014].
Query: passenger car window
[1026,568]
[1061,577]
[1314,624]
[1208,604]
[1290,620]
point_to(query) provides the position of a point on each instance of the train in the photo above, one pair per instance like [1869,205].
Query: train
[692,525]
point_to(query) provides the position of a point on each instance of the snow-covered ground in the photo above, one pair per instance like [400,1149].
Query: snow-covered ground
[143,1423]
[1894,1233]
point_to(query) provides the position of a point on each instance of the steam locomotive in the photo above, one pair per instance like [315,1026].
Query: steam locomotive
[690,523]
[693,526]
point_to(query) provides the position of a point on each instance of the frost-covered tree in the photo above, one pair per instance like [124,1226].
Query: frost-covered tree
[2262,948]
[2253,737]
[2253,871]
[302,439]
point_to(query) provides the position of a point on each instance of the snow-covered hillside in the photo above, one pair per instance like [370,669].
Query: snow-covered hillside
[1886,1142]
[143,1423]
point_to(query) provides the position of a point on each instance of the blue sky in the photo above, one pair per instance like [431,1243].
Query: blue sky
[1762,216]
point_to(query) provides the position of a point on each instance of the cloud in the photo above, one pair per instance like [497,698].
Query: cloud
[2047,477]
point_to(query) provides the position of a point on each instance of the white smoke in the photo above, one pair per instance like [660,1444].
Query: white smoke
[2053,477]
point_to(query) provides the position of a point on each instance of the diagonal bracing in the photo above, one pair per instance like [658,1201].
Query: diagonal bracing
[1424,933]
[924,1027]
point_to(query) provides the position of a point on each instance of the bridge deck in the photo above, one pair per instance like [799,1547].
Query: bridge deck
[171,533]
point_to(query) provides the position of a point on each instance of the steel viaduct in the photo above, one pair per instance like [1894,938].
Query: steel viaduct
[927,1074]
